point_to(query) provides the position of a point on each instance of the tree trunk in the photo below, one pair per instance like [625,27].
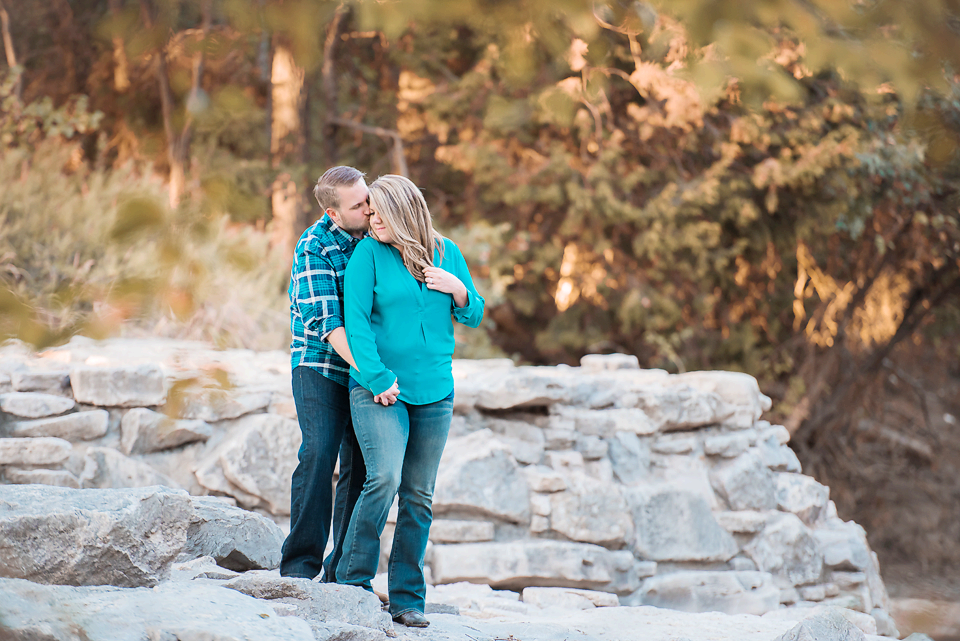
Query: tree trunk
[121,65]
[286,144]
[329,75]
[8,49]
[178,142]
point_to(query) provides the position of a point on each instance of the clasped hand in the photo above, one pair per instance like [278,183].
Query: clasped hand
[389,397]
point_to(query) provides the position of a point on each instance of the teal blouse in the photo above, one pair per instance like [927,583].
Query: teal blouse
[400,331]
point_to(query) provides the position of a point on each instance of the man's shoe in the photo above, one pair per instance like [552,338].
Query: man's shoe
[412,619]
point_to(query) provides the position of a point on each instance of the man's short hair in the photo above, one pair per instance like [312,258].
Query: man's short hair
[326,189]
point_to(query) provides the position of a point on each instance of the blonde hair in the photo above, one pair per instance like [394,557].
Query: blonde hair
[406,216]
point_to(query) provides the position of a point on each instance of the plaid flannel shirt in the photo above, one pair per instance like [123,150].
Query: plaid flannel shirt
[316,297]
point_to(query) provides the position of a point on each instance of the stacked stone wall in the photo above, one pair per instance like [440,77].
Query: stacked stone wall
[666,490]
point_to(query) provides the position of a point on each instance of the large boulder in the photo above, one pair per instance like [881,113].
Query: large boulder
[125,537]
[479,477]
[236,539]
[255,462]
[677,525]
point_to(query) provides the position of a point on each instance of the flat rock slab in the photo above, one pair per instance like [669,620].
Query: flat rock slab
[80,426]
[34,451]
[35,404]
[172,611]
[137,386]
[82,537]
[318,602]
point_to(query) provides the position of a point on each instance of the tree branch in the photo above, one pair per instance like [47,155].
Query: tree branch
[9,50]
[399,162]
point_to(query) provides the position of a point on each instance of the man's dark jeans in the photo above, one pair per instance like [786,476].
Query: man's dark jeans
[323,409]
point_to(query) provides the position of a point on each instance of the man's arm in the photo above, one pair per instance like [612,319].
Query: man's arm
[338,340]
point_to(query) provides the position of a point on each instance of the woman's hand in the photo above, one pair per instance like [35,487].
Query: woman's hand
[389,397]
[443,281]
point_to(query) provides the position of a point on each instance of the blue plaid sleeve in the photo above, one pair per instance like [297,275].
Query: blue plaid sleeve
[317,293]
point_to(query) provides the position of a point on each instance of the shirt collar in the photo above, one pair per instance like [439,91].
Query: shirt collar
[337,232]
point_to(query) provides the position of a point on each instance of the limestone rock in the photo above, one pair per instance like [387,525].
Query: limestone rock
[606,362]
[105,467]
[519,564]
[173,611]
[777,457]
[569,598]
[34,404]
[219,405]
[727,445]
[450,531]
[745,521]
[143,430]
[844,546]
[255,462]
[679,407]
[135,386]
[478,476]
[204,567]
[630,458]
[736,389]
[677,525]
[63,536]
[591,512]
[745,483]
[702,591]
[787,549]
[802,496]
[521,387]
[541,478]
[326,603]
[591,447]
[829,625]
[34,451]
[236,539]
[58,478]
[607,421]
[54,381]
[79,426]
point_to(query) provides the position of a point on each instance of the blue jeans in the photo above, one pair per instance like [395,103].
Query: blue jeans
[402,445]
[323,410]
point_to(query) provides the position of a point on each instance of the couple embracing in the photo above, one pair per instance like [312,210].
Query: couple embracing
[374,291]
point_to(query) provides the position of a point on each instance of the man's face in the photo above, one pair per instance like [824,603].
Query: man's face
[354,214]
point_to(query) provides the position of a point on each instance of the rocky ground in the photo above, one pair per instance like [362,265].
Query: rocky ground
[147,486]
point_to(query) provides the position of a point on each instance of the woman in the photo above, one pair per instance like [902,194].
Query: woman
[400,290]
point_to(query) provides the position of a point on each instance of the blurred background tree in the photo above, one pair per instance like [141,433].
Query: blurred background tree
[766,187]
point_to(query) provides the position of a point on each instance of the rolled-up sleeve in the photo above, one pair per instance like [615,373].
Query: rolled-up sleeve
[317,295]
[472,313]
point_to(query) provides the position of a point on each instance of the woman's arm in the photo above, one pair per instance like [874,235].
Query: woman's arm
[468,304]
[358,284]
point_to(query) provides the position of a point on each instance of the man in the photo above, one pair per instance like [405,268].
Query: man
[319,358]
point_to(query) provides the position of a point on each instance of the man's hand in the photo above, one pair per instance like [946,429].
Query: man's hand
[443,281]
[389,397]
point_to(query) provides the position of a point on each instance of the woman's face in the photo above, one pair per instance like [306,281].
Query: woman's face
[379,229]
